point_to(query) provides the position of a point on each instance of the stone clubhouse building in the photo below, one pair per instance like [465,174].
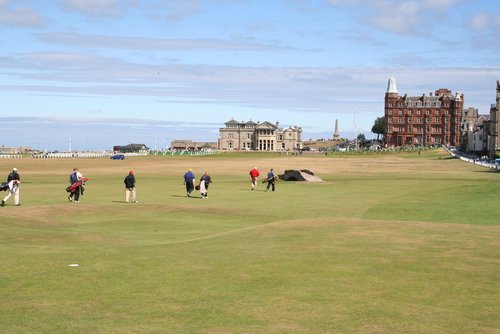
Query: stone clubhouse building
[265,136]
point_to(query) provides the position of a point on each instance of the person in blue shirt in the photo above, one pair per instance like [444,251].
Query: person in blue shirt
[189,180]
[271,180]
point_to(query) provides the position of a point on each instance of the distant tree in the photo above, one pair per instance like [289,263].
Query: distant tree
[379,126]
[361,139]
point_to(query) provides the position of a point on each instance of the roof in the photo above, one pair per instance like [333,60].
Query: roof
[134,147]
[232,121]
[266,125]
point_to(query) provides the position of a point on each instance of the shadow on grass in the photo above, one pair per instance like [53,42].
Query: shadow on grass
[487,171]
[185,196]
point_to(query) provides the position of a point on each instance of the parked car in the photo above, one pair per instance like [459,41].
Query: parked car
[118,157]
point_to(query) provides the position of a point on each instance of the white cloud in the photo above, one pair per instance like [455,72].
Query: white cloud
[401,17]
[439,4]
[479,22]
[136,43]
[92,7]
[299,89]
[11,15]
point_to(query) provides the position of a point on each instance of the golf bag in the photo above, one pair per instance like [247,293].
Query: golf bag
[77,185]
[4,186]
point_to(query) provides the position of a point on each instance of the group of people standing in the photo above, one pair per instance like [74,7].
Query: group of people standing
[77,181]
[202,186]
[271,179]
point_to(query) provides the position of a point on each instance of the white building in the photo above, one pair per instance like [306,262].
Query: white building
[258,136]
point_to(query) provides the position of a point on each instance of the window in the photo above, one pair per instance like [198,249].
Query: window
[419,112]
[436,112]
[400,112]
[410,119]
[230,135]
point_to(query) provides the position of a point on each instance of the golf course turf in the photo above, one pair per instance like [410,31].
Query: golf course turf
[388,243]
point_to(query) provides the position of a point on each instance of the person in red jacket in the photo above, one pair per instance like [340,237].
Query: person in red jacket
[254,175]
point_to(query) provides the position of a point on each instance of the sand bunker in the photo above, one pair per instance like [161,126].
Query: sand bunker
[299,175]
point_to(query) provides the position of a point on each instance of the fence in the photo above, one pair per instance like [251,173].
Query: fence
[10,156]
[488,163]
[75,155]
[184,152]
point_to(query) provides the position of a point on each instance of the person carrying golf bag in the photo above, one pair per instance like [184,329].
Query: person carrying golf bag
[12,186]
[76,188]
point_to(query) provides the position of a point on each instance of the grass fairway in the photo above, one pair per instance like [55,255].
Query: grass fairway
[387,244]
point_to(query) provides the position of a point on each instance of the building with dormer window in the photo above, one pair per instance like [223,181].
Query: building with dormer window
[422,120]
[265,136]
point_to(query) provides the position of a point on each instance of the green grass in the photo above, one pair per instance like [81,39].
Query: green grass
[384,251]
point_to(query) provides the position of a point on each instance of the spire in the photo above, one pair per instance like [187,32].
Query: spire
[391,86]
[336,134]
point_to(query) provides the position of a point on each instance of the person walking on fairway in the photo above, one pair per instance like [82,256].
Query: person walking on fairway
[75,177]
[254,175]
[271,180]
[13,180]
[204,183]
[130,187]
[189,180]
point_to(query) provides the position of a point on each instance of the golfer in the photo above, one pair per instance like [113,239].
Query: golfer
[254,175]
[14,180]
[189,180]
[75,177]
[204,183]
[130,187]
[271,180]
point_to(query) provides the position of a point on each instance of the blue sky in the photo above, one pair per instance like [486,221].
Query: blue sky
[108,72]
